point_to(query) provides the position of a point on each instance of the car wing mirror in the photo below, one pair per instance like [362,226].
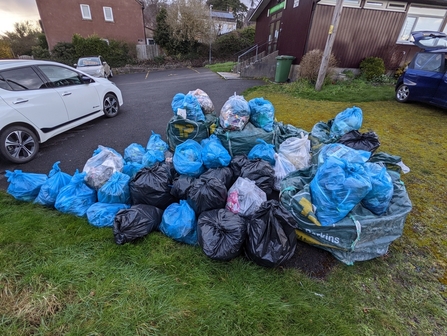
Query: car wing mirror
[75,65]
[87,79]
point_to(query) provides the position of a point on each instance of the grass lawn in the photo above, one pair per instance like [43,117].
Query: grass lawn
[61,276]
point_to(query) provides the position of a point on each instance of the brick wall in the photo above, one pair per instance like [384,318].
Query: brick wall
[62,18]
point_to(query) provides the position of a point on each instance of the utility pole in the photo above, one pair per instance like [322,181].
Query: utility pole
[329,43]
[211,32]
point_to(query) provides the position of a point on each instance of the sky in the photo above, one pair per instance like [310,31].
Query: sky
[12,11]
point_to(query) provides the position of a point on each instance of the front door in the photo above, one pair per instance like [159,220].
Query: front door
[274,30]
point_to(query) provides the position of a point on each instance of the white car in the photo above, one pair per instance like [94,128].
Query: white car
[41,99]
[95,66]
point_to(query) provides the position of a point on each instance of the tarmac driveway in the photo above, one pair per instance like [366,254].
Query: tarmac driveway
[147,107]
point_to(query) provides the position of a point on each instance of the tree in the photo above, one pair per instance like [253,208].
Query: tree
[190,23]
[24,36]
[162,35]
[183,27]
[5,50]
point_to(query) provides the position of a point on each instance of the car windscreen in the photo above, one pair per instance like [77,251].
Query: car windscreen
[92,61]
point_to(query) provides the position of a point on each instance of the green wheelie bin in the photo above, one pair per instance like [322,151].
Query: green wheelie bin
[283,64]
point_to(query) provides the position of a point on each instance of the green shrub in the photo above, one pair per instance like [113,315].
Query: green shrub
[40,53]
[310,65]
[372,67]
[64,52]
[229,45]
[399,72]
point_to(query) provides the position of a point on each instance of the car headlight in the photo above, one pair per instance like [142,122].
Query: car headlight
[98,72]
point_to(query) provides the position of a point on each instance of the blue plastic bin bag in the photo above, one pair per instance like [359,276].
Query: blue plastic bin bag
[263,151]
[24,186]
[346,121]
[132,168]
[151,157]
[214,154]
[103,214]
[337,187]
[179,223]
[343,152]
[177,102]
[76,197]
[134,153]
[156,143]
[115,190]
[379,198]
[188,158]
[262,113]
[188,108]
[57,179]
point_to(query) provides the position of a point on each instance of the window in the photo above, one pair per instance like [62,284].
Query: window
[85,11]
[22,79]
[346,3]
[151,41]
[419,18]
[385,5]
[60,76]
[429,62]
[108,14]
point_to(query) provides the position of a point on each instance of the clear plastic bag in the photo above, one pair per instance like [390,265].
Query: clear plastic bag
[297,151]
[204,100]
[99,168]
[282,167]
[235,113]
[244,197]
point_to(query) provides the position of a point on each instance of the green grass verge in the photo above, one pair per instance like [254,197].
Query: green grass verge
[221,67]
[61,276]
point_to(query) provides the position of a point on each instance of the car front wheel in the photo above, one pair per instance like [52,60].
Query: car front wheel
[402,93]
[18,144]
[111,105]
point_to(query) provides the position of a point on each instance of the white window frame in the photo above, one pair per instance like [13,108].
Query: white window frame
[346,3]
[420,13]
[108,14]
[85,12]
[392,6]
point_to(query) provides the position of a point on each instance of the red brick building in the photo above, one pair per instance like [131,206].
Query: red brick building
[119,20]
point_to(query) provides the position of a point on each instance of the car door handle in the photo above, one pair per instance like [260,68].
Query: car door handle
[66,93]
[20,101]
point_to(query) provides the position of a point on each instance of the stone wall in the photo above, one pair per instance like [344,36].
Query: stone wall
[263,68]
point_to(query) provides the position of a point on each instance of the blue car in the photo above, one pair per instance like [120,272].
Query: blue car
[425,79]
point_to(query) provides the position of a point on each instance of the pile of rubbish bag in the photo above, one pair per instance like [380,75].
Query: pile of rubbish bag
[240,183]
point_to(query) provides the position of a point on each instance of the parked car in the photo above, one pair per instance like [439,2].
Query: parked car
[95,66]
[425,79]
[41,99]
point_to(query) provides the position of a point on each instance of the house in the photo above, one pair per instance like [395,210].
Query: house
[379,28]
[224,22]
[119,20]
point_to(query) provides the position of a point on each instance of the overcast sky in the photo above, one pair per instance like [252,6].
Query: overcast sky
[12,11]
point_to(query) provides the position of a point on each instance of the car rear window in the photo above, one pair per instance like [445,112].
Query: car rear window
[22,79]
[89,62]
